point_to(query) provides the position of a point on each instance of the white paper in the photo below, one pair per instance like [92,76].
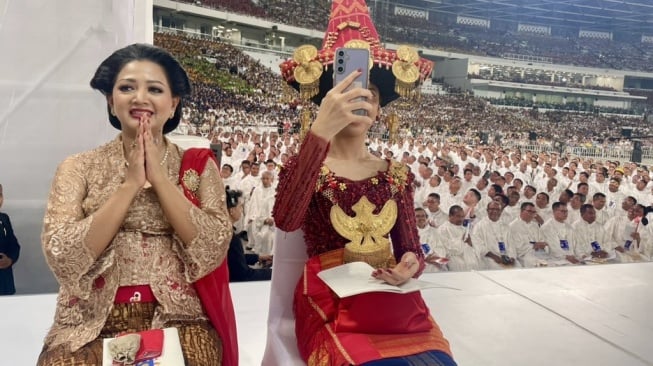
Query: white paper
[171,355]
[356,278]
[611,256]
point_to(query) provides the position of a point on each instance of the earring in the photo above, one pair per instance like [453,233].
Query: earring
[113,112]
[172,115]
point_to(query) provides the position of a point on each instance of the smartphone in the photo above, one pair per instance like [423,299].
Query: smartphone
[348,60]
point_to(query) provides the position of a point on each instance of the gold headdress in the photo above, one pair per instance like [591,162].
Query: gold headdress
[395,73]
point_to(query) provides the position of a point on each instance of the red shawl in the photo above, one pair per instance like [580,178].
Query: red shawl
[213,289]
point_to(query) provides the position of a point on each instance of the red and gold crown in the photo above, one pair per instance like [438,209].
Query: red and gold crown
[395,73]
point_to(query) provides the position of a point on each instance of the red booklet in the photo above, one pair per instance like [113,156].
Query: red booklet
[151,344]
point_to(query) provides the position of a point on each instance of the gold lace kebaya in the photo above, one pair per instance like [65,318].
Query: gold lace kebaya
[145,251]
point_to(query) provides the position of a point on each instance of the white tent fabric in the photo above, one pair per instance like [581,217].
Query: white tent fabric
[289,259]
[50,50]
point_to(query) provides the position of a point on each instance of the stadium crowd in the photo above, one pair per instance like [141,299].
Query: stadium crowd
[444,34]
[477,206]
[473,182]
[246,93]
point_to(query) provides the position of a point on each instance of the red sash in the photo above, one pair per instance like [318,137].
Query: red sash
[213,289]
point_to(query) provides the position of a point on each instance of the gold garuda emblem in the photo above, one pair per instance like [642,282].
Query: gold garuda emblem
[367,233]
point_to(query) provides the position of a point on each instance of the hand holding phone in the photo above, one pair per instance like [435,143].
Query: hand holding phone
[348,60]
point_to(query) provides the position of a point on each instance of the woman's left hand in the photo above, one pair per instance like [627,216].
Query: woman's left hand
[401,273]
[154,164]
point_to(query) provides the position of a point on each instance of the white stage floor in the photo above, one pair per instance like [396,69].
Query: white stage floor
[589,315]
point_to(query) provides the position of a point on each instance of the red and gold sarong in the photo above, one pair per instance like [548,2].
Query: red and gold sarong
[360,328]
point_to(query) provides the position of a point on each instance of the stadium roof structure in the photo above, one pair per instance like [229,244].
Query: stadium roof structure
[629,16]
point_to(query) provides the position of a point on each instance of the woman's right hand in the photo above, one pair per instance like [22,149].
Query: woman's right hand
[338,106]
[136,159]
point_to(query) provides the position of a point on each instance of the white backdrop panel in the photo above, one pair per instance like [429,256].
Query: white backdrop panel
[50,50]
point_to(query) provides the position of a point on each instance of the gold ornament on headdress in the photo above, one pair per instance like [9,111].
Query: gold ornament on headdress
[359,43]
[405,70]
[350,24]
[393,126]
[287,94]
[305,122]
[308,71]
[367,233]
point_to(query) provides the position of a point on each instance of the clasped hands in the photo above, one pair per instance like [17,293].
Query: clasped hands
[144,159]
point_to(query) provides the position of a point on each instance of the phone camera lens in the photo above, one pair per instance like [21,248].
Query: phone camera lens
[340,69]
[341,61]
[341,53]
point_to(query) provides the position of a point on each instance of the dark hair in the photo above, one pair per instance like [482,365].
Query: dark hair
[454,209]
[476,193]
[229,167]
[232,197]
[106,74]
[584,208]
[598,195]
[526,205]
[434,195]
[497,188]
[545,195]
[504,199]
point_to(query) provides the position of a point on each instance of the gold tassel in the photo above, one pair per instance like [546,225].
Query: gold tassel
[405,90]
[305,120]
[288,93]
[393,127]
[308,91]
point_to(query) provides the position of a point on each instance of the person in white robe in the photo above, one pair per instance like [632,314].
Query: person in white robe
[490,239]
[433,186]
[247,185]
[455,238]
[228,157]
[262,202]
[524,235]
[228,179]
[577,200]
[614,197]
[434,253]
[436,216]
[511,212]
[599,185]
[591,241]
[557,233]
[452,197]
[627,235]
[543,208]
[602,213]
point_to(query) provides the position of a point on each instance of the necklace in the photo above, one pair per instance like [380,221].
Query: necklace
[163,160]
[165,157]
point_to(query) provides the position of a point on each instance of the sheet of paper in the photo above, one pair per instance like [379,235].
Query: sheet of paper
[356,278]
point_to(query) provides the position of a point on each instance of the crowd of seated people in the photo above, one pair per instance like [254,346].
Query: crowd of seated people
[479,206]
[235,90]
[263,101]
[509,182]
[585,52]
[635,110]
[538,79]
[443,33]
